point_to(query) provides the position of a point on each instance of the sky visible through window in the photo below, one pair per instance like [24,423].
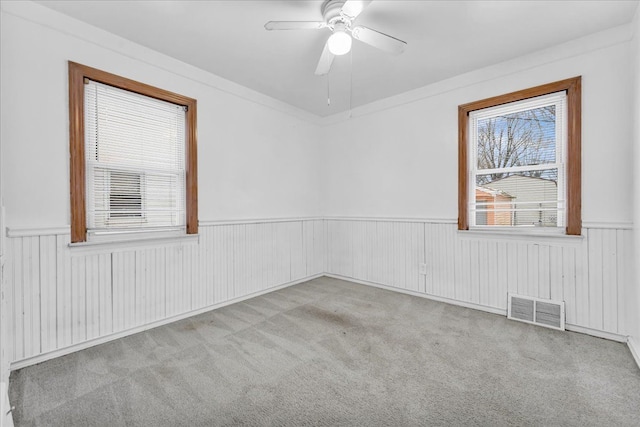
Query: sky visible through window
[524,138]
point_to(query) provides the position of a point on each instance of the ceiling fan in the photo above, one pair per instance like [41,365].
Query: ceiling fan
[338,17]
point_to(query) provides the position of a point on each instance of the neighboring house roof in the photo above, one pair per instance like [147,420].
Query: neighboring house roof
[493,192]
[520,177]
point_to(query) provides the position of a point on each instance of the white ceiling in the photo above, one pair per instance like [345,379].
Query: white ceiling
[445,38]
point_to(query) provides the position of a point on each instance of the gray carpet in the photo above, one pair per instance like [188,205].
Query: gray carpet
[330,352]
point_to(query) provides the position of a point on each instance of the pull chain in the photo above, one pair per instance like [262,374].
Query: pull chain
[350,80]
[328,93]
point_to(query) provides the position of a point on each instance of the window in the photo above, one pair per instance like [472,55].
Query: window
[133,157]
[517,163]
[519,160]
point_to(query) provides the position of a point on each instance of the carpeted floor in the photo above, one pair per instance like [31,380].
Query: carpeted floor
[330,352]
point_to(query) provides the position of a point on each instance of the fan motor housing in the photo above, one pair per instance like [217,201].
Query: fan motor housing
[331,11]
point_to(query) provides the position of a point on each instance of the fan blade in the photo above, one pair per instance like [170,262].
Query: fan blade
[353,8]
[380,40]
[326,59]
[294,25]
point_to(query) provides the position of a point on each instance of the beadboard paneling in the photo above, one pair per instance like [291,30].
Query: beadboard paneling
[588,273]
[57,300]
[381,252]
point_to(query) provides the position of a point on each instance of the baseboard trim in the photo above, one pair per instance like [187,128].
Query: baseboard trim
[596,333]
[493,310]
[634,347]
[19,364]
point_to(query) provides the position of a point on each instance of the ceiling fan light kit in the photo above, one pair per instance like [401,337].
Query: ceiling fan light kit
[340,41]
[338,17]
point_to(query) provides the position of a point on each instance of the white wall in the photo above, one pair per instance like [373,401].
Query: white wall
[4,348]
[4,356]
[634,299]
[401,161]
[5,419]
[253,160]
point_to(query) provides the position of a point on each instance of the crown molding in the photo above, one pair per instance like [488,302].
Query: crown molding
[45,17]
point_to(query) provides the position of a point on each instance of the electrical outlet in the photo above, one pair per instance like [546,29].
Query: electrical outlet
[423,268]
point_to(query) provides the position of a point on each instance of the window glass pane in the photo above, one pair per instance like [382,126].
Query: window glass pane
[517,199]
[521,138]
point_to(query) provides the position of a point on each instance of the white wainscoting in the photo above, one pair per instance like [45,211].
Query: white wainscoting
[60,299]
[478,269]
[6,419]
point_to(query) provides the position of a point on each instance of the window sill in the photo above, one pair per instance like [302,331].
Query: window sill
[534,236]
[131,244]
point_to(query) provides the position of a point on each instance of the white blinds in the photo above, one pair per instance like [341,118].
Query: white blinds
[518,163]
[135,161]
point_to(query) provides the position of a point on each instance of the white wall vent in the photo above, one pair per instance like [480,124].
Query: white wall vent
[537,311]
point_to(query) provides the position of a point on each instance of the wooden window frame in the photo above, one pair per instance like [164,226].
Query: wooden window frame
[77,75]
[573,87]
